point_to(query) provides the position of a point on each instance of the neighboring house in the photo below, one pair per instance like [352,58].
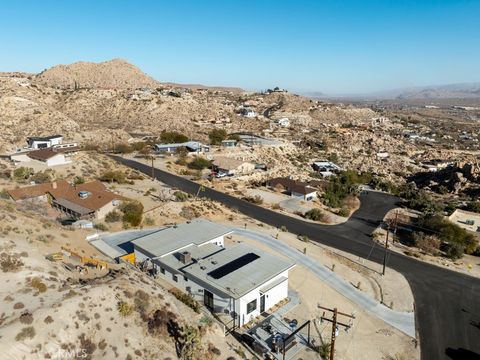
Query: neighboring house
[297,189]
[240,281]
[284,122]
[89,200]
[37,142]
[229,143]
[326,168]
[49,156]
[382,155]
[191,146]
[249,113]
[232,166]
[468,220]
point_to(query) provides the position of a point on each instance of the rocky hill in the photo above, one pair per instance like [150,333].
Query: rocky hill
[113,74]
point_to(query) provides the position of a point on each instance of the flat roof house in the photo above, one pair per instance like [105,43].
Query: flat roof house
[39,142]
[240,282]
[191,146]
[298,189]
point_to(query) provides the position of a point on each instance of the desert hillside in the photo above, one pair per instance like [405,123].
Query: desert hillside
[113,74]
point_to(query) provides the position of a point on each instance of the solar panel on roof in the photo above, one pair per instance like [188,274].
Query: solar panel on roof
[233,265]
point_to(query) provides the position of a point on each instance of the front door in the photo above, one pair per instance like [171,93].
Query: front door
[208,299]
[262,303]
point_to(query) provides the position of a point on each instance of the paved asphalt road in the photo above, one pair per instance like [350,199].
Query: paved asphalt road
[447,303]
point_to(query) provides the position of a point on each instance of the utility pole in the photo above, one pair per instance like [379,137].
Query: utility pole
[335,324]
[386,249]
[153,169]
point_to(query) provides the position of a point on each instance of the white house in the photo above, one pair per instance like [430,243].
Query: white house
[191,146]
[284,122]
[249,113]
[49,156]
[240,281]
[44,142]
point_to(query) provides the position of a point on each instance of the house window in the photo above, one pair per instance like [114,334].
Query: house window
[162,270]
[251,306]
[175,277]
[185,278]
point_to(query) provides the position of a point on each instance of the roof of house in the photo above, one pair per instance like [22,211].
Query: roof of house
[238,270]
[44,138]
[227,163]
[170,239]
[299,187]
[466,219]
[43,154]
[33,191]
[97,198]
[197,253]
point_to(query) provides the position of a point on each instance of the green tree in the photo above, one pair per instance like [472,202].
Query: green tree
[172,137]
[216,136]
[199,163]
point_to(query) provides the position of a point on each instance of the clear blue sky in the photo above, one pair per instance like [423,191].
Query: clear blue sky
[336,46]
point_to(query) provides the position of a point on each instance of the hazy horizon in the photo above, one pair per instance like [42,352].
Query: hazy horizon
[330,47]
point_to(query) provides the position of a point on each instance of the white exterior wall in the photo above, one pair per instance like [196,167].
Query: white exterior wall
[56,160]
[20,158]
[56,141]
[272,297]
[311,195]
[38,144]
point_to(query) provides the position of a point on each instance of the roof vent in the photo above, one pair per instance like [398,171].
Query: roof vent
[203,267]
[185,257]
[214,262]
[83,194]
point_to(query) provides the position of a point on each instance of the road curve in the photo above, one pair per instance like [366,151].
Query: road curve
[447,303]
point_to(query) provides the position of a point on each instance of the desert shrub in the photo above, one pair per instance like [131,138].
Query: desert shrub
[449,232]
[173,137]
[37,284]
[22,173]
[26,318]
[189,213]
[10,263]
[473,206]
[428,243]
[186,299]
[343,211]
[48,320]
[117,176]
[100,226]
[26,333]
[4,194]
[124,308]
[138,146]
[41,177]
[160,321]
[79,180]
[283,228]
[453,251]
[148,221]
[188,342]
[257,199]
[123,148]
[315,215]
[141,301]
[216,136]
[199,163]
[18,305]
[132,213]
[180,196]
[212,349]
[324,350]
[113,216]
[418,199]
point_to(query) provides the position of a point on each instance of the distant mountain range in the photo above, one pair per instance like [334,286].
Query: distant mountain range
[450,91]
